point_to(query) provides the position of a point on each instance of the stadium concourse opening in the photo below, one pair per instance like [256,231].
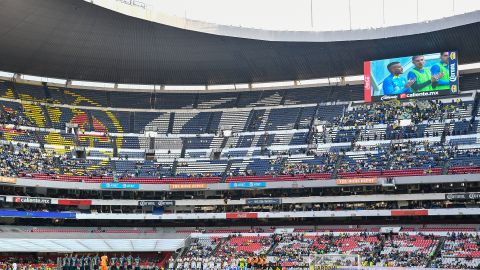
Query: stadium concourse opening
[130,143]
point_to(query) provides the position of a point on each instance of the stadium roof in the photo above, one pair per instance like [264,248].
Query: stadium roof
[77,40]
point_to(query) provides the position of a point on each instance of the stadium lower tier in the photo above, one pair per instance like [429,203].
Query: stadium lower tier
[84,261]
[375,248]
[434,250]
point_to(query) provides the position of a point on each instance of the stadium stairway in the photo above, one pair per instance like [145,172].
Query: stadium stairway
[48,121]
[220,244]
[180,254]
[444,133]
[13,94]
[338,163]
[90,120]
[132,123]
[171,121]
[272,248]
[35,112]
[437,252]
[226,172]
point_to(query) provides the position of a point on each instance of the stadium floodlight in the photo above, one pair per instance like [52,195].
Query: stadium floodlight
[357,78]
[42,79]
[93,84]
[186,87]
[273,84]
[6,74]
[242,86]
[136,86]
[221,86]
[313,81]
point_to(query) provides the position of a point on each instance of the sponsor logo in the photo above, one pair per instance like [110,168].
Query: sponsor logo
[402,96]
[188,186]
[388,97]
[453,55]
[119,186]
[463,196]
[453,72]
[156,203]
[367,82]
[9,180]
[241,215]
[422,94]
[248,184]
[263,201]
[405,213]
[74,202]
[3,199]
[454,89]
[32,200]
[357,181]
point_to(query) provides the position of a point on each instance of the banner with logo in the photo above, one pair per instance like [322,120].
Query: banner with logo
[8,180]
[74,202]
[119,186]
[357,181]
[405,213]
[241,215]
[463,196]
[423,75]
[156,203]
[263,201]
[248,184]
[32,214]
[32,200]
[188,186]
[279,267]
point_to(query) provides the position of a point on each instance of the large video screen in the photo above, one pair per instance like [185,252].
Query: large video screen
[427,75]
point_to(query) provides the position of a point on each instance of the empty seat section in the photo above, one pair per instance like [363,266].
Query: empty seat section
[131,99]
[84,97]
[151,121]
[235,120]
[112,121]
[59,116]
[306,95]
[168,143]
[30,92]
[174,101]
[281,119]
[201,168]
[217,100]
[191,123]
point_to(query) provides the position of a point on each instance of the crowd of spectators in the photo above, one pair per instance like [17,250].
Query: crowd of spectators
[374,249]
[399,156]
[459,251]
[389,112]
[326,163]
[13,117]
[408,250]
[23,160]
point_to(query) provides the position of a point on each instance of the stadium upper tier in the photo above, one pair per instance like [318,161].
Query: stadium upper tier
[76,135]
[73,40]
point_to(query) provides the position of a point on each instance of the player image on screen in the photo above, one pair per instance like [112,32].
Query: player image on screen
[422,75]
[396,84]
[440,70]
